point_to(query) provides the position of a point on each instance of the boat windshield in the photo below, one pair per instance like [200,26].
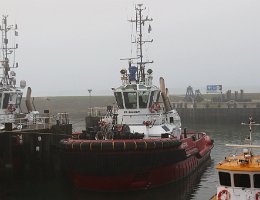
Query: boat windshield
[0,100]
[11,98]
[18,99]
[130,100]
[224,178]
[143,98]
[242,180]
[119,100]
[154,97]
[257,180]
[6,100]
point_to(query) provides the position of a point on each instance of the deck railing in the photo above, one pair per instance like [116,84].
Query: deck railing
[34,121]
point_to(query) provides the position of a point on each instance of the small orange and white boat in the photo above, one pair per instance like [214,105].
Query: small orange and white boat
[239,175]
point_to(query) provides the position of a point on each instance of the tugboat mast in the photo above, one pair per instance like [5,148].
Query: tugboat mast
[6,80]
[140,21]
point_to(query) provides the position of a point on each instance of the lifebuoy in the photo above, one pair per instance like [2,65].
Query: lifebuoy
[11,108]
[257,195]
[155,107]
[147,123]
[222,193]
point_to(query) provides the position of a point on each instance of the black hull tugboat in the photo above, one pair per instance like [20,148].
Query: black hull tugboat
[140,144]
[26,138]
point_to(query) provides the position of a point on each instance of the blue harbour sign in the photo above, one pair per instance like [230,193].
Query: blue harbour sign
[214,88]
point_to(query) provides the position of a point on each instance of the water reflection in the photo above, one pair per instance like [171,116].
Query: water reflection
[180,190]
[42,186]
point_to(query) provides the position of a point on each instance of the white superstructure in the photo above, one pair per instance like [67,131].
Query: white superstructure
[138,99]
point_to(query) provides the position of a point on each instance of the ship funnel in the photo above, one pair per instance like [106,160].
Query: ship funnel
[28,100]
[164,93]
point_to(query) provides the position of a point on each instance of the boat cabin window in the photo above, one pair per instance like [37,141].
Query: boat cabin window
[242,180]
[224,178]
[158,96]
[142,87]
[18,99]
[130,100]
[155,95]
[6,100]
[133,86]
[151,99]
[256,180]
[165,128]
[0,100]
[143,99]
[119,100]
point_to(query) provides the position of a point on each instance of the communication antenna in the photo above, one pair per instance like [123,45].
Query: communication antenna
[250,124]
[139,24]
[250,145]
[8,79]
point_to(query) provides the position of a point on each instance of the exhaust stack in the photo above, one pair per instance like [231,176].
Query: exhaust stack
[164,93]
[28,100]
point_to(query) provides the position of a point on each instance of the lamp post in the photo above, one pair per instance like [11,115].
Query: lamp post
[90,106]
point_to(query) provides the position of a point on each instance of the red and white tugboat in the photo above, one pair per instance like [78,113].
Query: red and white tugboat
[140,145]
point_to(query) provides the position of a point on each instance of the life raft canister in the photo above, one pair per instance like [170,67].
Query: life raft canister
[222,193]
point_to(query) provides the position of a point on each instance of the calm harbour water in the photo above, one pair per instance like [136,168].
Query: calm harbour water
[200,185]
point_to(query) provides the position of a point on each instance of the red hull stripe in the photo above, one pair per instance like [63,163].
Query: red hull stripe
[151,178]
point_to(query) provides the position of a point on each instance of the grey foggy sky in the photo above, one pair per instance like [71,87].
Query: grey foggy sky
[69,46]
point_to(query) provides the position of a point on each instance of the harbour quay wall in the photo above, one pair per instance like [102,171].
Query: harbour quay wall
[218,115]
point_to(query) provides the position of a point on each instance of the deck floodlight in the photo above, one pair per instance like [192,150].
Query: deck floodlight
[149,71]
[123,71]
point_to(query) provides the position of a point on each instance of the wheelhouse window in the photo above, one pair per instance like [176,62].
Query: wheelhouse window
[119,100]
[224,178]
[242,180]
[165,128]
[158,96]
[151,99]
[0,100]
[143,98]
[18,99]
[257,180]
[130,100]
[133,86]
[6,100]
[142,87]
[155,95]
